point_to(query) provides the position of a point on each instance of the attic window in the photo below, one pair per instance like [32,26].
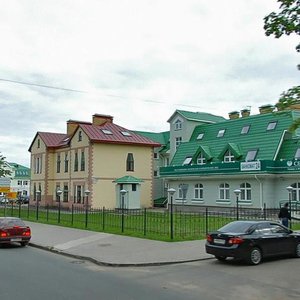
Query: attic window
[245,129]
[297,155]
[178,124]
[125,133]
[251,154]
[221,133]
[272,125]
[200,136]
[187,160]
[106,131]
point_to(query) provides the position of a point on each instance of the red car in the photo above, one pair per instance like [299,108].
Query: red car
[14,230]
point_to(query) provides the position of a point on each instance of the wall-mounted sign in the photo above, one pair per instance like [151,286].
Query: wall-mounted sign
[250,166]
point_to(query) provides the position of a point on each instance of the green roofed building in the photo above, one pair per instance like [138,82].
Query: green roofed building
[254,154]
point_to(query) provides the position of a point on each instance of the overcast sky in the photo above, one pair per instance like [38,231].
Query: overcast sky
[137,60]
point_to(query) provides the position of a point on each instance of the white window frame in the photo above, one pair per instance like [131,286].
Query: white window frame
[178,124]
[201,160]
[245,129]
[228,157]
[221,133]
[272,125]
[178,141]
[198,192]
[246,192]
[200,136]
[224,192]
[187,160]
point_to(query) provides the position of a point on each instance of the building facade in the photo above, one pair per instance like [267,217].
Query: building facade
[85,165]
[256,156]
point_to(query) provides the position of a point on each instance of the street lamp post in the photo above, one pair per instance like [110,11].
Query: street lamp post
[86,193]
[237,194]
[290,190]
[58,193]
[38,196]
[171,193]
[123,193]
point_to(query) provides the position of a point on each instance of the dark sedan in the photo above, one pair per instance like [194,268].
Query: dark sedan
[14,230]
[252,241]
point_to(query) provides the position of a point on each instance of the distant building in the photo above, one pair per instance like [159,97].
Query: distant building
[256,155]
[18,181]
[91,164]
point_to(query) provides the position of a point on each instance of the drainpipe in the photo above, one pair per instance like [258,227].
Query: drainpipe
[280,144]
[260,192]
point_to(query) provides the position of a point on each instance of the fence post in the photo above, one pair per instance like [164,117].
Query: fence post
[47,212]
[145,221]
[72,214]
[20,209]
[206,220]
[86,216]
[103,218]
[265,212]
[12,209]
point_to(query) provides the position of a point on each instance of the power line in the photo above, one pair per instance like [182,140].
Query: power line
[79,91]
[41,85]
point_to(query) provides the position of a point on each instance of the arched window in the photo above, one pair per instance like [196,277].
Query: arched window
[130,162]
[224,191]
[245,191]
[198,191]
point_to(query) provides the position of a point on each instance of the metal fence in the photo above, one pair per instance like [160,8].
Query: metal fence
[158,224]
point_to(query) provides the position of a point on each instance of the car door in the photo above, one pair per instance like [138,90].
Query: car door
[266,239]
[285,241]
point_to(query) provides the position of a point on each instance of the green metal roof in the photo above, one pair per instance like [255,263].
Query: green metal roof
[128,179]
[160,137]
[198,116]
[258,137]
[20,171]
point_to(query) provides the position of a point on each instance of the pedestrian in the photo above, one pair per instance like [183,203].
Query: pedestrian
[284,215]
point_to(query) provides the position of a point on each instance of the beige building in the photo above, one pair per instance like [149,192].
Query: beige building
[90,164]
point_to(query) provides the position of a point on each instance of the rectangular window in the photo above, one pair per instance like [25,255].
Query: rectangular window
[272,125]
[82,162]
[187,160]
[76,162]
[201,160]
[178,141]
[66,193]
[66,162]
[58,163]
[178,125]
[78,194]
[245,129]
[19,182]
[251,154]
[297,155]
[221,133]
[79,136]
[200,136]
[155,155]
[133,187]
[228,157]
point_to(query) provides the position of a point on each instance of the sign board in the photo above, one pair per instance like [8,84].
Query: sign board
[250,166]
[11,195]
[4,189]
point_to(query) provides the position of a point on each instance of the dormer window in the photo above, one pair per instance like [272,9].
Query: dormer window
[201,160]
[221,133]
[272,125]
[200,136]
[245,129]
[297,154]
[178,124]
[228,157]
[106,131]
[187,160]
[251,154]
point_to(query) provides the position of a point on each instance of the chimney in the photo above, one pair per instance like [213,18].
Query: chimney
[101,119]
[234,115]
[264,109]
[245,112]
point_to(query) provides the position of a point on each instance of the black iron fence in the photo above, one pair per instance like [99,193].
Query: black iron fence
[151,223]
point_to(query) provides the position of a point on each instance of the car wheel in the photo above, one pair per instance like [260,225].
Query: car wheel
[221,258]
[255,256]
[297,250]
[23,244]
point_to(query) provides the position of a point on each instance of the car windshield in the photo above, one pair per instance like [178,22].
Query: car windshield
[236,227]
[11,222]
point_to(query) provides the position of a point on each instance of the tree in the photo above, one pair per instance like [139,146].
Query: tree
[3,172]
[286,21]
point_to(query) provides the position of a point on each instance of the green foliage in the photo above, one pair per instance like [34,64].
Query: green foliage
[288,98]
[3,172]
[286,21]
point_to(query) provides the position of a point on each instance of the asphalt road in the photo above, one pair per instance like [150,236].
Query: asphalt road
[30,273]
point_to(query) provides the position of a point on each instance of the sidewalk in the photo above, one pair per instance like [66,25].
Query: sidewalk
[113,250]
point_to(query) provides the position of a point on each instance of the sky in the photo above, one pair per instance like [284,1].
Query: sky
[136,60]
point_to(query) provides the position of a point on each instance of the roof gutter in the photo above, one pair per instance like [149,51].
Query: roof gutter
[280,144]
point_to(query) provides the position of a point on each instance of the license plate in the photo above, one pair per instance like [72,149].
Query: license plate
[16,240]
[219,241]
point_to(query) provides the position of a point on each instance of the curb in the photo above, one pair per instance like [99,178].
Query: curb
[101,263]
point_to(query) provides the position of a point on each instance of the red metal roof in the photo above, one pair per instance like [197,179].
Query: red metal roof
[115,134]
[54,139]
